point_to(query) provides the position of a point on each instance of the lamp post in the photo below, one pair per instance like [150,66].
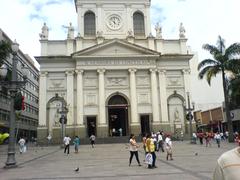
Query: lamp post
[63,119]
[12,86]
[189,116]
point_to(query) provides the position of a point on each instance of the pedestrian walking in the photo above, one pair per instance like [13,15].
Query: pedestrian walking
[208,139]
[150,149]
[76,143]
[144,138]
[194,138]
[168,142]
[237,139]
[92,140]
[49,138]
[222,136]
[120,131]
[67,141]
[160,141]
[181,135]
[22,147]
[200,136]
[133,148]
[226,135]
[217,137]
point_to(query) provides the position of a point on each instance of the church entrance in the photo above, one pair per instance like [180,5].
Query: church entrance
[91,125]
[118,116]
[145,127]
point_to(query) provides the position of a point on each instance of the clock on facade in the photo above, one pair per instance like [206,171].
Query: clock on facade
[114,22]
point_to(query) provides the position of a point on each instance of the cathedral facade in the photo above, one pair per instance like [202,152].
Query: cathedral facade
[113,75]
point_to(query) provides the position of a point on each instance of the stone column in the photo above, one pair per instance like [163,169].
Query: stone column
[79,43]
[79,97]
[99,24]
[133,96]
[151,43]
[129,22]
[186,77]
[101,97]
[43,99]
[163,95]
[70,46]
[44,47]
[154,92]
[183,46]
[80,20]
[70,97]
[147,20]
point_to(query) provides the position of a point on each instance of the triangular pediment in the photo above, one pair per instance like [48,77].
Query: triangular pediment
[114,48]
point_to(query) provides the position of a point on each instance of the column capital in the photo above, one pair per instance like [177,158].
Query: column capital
[101,71]
[69,73]
[162,71]
[153,70]
[132,70]
[186,71]
[79,71]
[43,73]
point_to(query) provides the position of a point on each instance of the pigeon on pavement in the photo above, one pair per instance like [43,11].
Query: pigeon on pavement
[77,169]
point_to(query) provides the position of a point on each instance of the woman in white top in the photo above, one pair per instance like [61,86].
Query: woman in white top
[133,149]
[168,142]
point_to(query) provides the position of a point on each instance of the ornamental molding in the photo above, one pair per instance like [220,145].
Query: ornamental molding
[143,80]
[117,81]
[56,83]
[175,81]
[90,81]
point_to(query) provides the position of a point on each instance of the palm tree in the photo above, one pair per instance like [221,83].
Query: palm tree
[224,60]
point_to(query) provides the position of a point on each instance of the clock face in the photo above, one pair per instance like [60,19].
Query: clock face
[114,22]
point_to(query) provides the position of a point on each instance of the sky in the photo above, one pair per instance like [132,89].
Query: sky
[203,20]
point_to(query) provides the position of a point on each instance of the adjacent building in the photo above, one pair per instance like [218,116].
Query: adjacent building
[214,119]
[113,74]
[27,120]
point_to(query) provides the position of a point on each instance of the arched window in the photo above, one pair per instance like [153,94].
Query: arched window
[138,24]
[89,24]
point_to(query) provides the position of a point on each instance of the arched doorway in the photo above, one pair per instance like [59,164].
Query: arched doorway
[118,116]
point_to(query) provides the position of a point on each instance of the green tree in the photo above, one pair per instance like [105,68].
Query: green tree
[234,92]
[5,50]
[224,60]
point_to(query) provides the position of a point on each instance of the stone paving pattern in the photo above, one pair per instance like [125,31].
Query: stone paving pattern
[110,161]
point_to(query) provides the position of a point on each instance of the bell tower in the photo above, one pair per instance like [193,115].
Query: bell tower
[113,19]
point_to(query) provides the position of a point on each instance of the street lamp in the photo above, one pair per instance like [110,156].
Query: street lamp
[189,115]
[12,86]
[63,119]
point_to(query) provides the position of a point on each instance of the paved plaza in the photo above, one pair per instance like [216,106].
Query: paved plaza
[110,161]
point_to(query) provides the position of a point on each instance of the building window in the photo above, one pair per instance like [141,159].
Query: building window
[138,24]
[89,24]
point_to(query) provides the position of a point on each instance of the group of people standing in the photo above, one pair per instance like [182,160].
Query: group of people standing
[76,143]
[152,143]
[209,136]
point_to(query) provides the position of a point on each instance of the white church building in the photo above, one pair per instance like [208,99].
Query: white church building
[115,77]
